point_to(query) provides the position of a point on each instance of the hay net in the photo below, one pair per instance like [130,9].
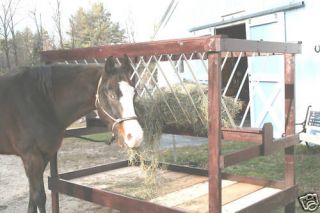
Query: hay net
[172,91]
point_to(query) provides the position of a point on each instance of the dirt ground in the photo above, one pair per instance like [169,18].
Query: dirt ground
[74,154]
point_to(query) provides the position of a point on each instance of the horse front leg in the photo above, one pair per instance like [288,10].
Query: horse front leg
[34,165]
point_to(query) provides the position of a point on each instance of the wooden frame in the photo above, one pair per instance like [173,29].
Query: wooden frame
[215,48]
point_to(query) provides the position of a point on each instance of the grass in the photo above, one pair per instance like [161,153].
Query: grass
[307,164]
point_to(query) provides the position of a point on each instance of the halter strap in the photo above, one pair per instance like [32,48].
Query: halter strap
[116,121]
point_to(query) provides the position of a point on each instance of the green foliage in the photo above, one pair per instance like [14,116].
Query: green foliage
[94,27]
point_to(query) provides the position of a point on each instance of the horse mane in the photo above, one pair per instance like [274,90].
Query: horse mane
[39,78]
[42,79]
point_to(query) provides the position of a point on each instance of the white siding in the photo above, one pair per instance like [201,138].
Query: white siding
[300,25]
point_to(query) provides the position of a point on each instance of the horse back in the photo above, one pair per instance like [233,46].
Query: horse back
[27,120]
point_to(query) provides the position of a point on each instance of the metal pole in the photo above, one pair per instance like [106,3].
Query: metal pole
[214,131]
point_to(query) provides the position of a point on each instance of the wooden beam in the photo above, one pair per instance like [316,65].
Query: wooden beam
[93,170]
[173,46]
[239,156]
[254,180]
[242,134]
[229,134]
[267,138]
[153,48]
[281,198]
[106,198]
[214,132]
[285,142]
[289,123]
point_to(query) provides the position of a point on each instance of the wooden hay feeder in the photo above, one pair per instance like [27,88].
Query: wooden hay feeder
[192,189]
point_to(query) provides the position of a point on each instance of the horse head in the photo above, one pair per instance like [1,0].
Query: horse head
[115,102]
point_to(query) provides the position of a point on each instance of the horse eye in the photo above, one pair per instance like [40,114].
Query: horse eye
[112,95]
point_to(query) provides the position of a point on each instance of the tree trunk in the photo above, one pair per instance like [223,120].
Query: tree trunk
[14,44]
[7,52]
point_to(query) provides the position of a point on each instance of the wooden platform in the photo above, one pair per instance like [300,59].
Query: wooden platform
[179,190]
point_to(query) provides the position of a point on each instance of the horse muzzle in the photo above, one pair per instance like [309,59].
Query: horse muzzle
[132,133]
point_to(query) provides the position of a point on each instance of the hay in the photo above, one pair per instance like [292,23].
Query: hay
[163,111]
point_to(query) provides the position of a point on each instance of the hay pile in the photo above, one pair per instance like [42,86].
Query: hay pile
[163,111]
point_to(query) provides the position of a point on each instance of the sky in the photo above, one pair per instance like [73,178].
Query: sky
[145,13]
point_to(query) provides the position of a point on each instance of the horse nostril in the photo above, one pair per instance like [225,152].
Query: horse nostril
[129,136]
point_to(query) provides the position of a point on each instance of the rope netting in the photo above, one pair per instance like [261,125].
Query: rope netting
[179,86]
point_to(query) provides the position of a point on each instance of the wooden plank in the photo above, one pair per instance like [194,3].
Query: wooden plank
[93,170]
[285,142]
[249,199]
[230,193]
[114,175]
[254,180]
[183,182]
[239,156]
[200,204]
[108,199]
[185,169]
[226,183]
[129,181]
[214,132]
[153,48]
[236,191]
[237,134]
[242,134]
[247,196]
[267,138]
[285,197]
[289,164]
[183,195]
[189,198]
[168,185]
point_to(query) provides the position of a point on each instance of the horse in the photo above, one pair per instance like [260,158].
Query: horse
[38,103]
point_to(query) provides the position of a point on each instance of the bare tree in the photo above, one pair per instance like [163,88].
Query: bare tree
[72,32]
[57,21]
[5,29]
[38,46]
[130,27]
[12,11]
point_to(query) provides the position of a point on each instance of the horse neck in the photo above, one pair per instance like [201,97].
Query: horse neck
[74,92]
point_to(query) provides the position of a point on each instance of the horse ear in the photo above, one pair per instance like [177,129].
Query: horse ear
[109,66]
[127,64]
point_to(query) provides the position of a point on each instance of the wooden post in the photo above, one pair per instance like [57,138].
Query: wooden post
[289,123]
[267,138]
[214,131]
[54,174]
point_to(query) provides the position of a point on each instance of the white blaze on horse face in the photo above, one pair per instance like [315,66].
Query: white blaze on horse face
[133,133]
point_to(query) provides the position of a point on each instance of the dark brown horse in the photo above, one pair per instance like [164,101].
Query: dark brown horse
[37,104]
